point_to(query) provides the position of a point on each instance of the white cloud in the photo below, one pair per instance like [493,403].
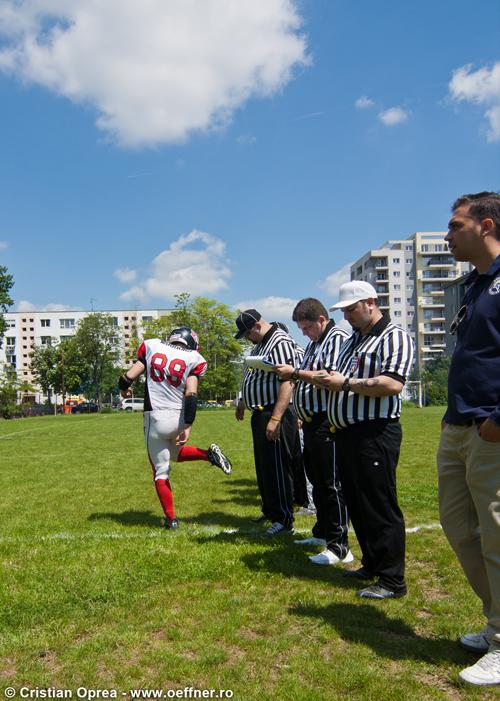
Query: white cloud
[246,139]
[271,308]
[4,245]
[134,294]
[156,70]
[363,103]
[481,87]
[26,306]
[309,115]
[332,283]
[194,263]
[125,274]
[393,116]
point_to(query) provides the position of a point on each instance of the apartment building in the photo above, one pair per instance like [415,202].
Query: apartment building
[453,295]
[25,330]
[390,269]
[410,276]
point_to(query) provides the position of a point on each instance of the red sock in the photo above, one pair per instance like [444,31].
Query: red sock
[191,452]
[164,491]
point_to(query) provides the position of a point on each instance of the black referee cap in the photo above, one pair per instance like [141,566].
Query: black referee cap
[246,321]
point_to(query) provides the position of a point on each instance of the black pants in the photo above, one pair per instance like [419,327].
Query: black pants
[300,496]
[367,456]
[274,466]
[319,459]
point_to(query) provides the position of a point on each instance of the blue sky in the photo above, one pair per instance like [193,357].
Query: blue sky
[242,151]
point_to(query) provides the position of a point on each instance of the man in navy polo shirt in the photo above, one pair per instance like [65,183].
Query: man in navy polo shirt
[469,451]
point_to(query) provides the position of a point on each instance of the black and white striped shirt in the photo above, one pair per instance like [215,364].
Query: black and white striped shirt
[319,355]
[260,388]
[385,350]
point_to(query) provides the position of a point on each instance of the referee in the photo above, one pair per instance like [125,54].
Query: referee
[364,407]
[274,427]
[310,403]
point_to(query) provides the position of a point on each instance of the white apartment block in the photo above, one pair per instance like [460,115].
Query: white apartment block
[409,276]
[25,330]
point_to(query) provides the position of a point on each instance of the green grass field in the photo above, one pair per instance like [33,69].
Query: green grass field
[94,594]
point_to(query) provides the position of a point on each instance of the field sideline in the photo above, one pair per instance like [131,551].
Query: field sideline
[95,594]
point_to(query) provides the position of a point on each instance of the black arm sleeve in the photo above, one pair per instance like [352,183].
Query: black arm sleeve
[124,382]
[190,404]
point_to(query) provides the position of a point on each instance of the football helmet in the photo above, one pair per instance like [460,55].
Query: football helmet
[186,336]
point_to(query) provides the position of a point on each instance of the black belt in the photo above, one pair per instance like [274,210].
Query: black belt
[470,422]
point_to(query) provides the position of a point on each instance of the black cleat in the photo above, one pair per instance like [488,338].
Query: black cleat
[217,458]
[171,524]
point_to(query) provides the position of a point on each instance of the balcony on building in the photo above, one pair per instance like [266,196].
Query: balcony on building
[431,302]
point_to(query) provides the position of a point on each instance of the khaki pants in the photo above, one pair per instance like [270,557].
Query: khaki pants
[469,505]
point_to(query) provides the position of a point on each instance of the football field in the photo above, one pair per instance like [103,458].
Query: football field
[97,597]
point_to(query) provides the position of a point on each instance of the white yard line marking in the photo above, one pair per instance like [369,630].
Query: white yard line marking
[159,533]
[425,527]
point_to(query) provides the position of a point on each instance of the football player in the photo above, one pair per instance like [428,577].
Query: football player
[173,369]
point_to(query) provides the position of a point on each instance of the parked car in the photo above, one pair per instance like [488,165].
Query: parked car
[130,404]
[85,408]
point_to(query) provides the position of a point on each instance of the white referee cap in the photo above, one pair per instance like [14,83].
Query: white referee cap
[354,291]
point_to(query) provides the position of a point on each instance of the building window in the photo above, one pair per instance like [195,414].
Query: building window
[396,273]
[46,340]
[45,323]
[397,287]
[67,323]
[11,324]
[147,318]
[397,313]
[397,300]
[65,338]
[395,260]
[10,341]
[114,320]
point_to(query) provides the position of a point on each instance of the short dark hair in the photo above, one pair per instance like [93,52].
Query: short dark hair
[482,205]
[309,309]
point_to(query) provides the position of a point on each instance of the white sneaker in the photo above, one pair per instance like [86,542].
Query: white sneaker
[328,558]
[486,671]
[311,541]
[476,642]
[277,529]
[348,558]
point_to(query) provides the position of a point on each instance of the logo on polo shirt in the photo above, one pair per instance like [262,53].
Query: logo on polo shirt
[494,288]
[354,365]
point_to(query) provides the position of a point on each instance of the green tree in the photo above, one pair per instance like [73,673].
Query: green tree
[98,343]
[214,324]
[435,378]
[58,368]
[6,283]
[8,392]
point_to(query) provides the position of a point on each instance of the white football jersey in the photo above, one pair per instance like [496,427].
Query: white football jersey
[167,369]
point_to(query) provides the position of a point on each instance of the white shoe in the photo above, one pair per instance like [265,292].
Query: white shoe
[311,541]
[328,558]
[348,558]
[486,671]
[476,642]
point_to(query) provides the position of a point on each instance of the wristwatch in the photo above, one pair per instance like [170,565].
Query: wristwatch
[345,385]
